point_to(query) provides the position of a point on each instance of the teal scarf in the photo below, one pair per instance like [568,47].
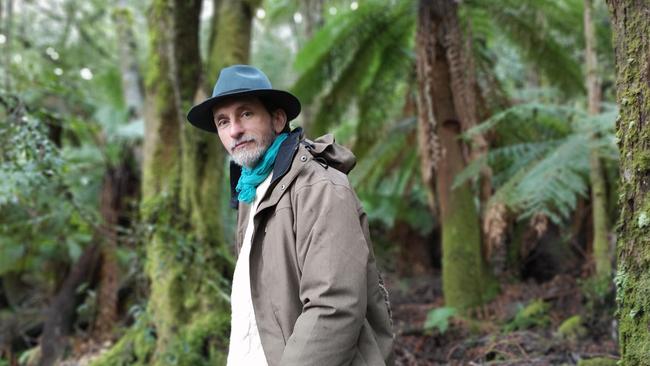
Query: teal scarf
[251,178]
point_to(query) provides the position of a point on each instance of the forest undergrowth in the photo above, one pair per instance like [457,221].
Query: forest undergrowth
[529,323]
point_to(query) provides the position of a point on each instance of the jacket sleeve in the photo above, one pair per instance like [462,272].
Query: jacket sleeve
[333,284]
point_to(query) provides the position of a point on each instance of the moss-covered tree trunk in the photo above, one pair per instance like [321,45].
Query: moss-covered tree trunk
[188,313]
[601,251]
[466,282]
[631,25]
[203,155]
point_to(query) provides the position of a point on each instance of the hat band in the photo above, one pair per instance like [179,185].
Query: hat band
[232,91]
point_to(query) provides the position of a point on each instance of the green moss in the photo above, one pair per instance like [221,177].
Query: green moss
[643,220]
[465,278]
[134,348]
[631,28]
[203,341]
[634,317]
[598,361]
[187,316]
[535,314]
[572,328]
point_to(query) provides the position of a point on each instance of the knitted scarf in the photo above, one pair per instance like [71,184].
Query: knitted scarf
[252,177]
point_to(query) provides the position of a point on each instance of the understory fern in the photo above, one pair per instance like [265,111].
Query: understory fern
[544,166]
[358,61]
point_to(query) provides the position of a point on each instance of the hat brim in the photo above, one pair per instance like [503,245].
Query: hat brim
[201,114]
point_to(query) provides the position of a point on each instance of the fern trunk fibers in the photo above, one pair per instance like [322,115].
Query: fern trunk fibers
[631,25]
[466,282]
[601,251]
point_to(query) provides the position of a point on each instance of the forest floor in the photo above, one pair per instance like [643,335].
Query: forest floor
[508,332]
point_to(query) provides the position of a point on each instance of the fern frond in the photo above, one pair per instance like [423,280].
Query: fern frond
[383,154]
[547,168]
[545,32]
[384,94]
[348,60]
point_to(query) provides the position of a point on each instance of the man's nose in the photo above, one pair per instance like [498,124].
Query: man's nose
[236,129]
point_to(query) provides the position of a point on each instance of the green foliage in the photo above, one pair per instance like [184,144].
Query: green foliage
[30,356]
[572,328]
[135,347]
[542,162]
[33,170]
[358,58]
[62,124]
[598,361]
[388,182]
[535,314]
[545,33]
[439,318]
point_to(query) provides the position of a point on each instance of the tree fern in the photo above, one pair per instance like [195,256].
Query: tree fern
[357,57]
[545,32]
[541,173]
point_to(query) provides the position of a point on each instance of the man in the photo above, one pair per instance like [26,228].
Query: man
[306,290]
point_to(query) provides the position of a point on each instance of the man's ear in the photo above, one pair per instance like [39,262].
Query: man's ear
[279,120]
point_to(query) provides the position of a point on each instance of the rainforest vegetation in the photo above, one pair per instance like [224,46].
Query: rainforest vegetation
[503,160]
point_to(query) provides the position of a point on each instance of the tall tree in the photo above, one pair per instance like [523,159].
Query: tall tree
[119,177]
[601,252]
[182,169]
[445,109]
[631,25]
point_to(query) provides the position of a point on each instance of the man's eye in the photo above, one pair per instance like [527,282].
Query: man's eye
[222,123]
[247,114]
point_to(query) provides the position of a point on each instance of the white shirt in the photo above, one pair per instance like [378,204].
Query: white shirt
[245,343]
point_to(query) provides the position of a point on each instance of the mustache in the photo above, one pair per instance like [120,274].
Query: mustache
[240,141]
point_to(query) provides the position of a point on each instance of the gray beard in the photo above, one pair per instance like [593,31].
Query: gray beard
[249,157]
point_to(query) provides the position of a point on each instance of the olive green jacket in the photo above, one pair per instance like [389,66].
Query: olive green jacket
[317,294]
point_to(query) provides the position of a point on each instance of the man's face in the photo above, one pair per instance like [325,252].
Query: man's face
[246,128]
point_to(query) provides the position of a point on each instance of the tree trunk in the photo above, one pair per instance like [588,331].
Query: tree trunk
[182,253]
[108,273]
[188,306]
[202,155]
[60,314]
[601,251]
[120,185]
[130,71]
[466,282]
[631,25]
[115,185]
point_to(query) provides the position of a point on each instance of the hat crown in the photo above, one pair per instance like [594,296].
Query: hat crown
[238,78]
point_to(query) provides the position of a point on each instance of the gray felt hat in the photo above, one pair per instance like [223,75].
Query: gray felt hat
[242,80]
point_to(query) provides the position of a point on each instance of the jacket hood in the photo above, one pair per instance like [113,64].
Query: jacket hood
[326,151]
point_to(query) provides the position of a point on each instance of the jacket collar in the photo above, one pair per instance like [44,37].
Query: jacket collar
[282,164]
